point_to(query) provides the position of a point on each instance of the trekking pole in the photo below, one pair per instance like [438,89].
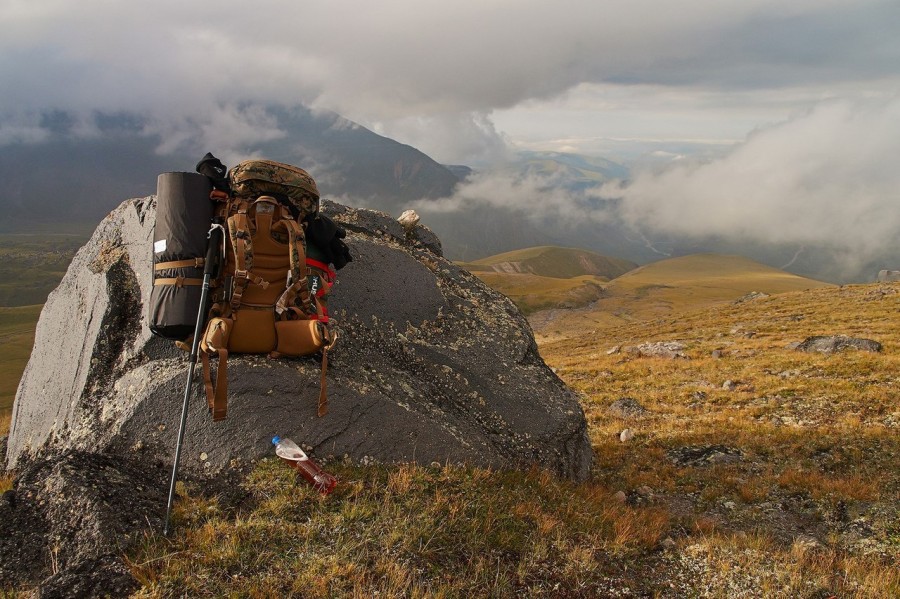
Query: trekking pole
[209,267]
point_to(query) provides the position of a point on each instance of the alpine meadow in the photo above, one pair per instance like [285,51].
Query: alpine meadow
[450,300]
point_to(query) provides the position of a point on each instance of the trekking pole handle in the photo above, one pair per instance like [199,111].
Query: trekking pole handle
[213,260]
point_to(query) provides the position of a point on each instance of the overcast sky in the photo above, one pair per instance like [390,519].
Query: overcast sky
[731,81]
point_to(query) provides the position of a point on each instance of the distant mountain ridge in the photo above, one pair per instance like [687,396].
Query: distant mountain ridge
[66,177]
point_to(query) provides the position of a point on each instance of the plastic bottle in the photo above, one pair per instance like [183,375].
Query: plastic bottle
[288,451]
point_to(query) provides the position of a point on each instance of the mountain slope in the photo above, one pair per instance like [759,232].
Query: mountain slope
[674,285]
[66,177]
[553,261]
[547,277]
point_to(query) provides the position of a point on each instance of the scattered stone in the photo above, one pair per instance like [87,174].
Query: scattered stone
[626,407]
[699,396]
[644,491]
[661,349]
[614,350]
[729,385]
[729,505]
[704,455]
[805,543]
[620,496]
[204,457]
[626,435]
[409,219]
[717,354]
[668,544]
[753,295]
[830,344]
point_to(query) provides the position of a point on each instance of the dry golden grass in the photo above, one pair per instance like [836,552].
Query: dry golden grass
[671,287]
[808,447]
[404,531]
[5,421]
[532,292]
[809,450]
[815,436]
[6,478]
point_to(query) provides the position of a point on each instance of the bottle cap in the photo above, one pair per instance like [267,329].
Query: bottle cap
[275,440]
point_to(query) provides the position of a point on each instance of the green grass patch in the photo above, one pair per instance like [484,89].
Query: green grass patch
[31,265]
[17,327]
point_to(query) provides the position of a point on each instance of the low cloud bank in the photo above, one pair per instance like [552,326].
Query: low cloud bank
[828,178]
[823,182]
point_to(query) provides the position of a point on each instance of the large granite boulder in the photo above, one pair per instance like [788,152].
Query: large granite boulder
[431,365]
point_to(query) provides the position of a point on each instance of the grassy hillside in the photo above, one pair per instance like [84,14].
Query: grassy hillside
[673,286]
[552,261]
[31,265]
[781,484]
[549,277]
[16,338]
[754,470]
[532,293]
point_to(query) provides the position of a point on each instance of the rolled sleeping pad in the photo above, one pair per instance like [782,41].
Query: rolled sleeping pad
[184,212]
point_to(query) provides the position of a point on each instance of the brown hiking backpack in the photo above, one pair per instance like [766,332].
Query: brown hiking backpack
[261,303]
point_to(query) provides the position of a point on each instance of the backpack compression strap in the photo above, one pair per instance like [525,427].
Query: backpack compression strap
[239,232]
[297,288]
[331,337]
[216,395]
[215,340]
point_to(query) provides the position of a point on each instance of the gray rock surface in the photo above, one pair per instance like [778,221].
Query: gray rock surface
[72,518]
[661,349]
[431,365]
[829,344]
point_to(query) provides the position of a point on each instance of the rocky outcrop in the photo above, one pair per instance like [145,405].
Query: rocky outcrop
[70,520]
[431,365]
[829,344]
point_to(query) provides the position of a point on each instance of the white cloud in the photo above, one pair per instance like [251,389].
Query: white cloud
[827,178]
[413,66]
[541,198]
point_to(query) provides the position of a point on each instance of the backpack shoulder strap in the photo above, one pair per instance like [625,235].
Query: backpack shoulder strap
[239,231]
[296,293]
